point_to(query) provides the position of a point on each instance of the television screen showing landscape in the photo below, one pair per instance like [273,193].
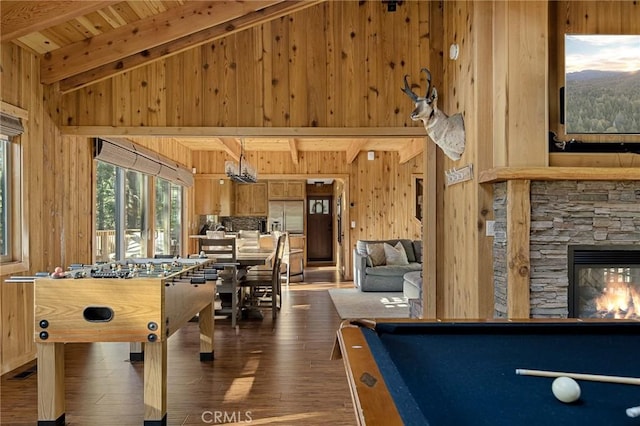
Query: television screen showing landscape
[602,84]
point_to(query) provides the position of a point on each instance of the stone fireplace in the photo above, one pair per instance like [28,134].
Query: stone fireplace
[563,214]
[604,282]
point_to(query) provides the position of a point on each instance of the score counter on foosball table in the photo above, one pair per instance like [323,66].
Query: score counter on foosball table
[142,304]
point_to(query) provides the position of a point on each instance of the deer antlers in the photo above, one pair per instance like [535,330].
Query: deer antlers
[407,89]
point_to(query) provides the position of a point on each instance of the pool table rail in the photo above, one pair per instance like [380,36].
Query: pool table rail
[371,398]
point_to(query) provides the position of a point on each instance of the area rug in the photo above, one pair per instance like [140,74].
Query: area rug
[352,303]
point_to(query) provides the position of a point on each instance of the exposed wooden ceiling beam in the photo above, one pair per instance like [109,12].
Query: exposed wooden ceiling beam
[20,18]
[287,132]
[413,149]
[293,147]
[180,45]
[354,150]
[141,35]
[232,147]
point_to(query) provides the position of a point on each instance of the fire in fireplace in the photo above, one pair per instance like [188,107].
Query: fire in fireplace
[604,282]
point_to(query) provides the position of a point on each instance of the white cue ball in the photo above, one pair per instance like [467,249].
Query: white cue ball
[566,389]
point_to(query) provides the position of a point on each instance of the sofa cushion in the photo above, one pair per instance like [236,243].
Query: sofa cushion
[361,247]
[393,270]
[417,249]
[376,253]
[395,255]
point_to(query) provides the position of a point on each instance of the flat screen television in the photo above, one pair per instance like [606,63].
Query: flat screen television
[602,84]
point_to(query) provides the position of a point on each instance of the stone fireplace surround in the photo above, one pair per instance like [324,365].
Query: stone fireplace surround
[563,213]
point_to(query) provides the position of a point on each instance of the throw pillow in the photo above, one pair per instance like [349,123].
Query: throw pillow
[376,254]
[395,255]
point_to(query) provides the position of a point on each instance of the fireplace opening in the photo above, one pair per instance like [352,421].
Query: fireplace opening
[604,282]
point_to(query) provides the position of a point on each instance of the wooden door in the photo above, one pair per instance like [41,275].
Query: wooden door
[320,228]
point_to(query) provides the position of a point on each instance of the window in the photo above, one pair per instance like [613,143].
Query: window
[418,197]
[14,252]
[318,206]
[105,212]
[5,199]
[136,208]
[124,218]
[168,224]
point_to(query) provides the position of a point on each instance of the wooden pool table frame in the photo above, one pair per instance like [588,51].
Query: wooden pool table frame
[371,398]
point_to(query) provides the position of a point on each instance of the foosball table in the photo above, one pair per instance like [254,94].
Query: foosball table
[143,302]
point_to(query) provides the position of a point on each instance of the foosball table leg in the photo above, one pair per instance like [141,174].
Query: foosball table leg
[51,399]
[155,383]
[206,324]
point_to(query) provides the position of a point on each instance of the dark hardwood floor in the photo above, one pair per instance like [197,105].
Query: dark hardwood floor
[270,373]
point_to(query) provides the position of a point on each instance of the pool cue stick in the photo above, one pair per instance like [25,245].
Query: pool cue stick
[633,411]
[580,376]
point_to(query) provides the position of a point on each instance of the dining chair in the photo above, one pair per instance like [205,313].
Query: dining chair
[263,287]
[223,251]
[289,257]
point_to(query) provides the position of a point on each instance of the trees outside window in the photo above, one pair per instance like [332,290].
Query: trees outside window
[124,222]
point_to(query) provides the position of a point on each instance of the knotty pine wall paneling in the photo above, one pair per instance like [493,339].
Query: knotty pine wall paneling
[484,156]
[458,286]
[513,56]
[176,100]
[57,191]
[381,193]
[300,82]
[276,62]
[337,64]
[18,70]
[190,89]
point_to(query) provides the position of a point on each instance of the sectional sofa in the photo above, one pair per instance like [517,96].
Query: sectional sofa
[373,271]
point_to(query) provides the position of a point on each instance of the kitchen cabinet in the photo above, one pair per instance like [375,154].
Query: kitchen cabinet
[227,200]
[286,190]
[251,199]
[213,196]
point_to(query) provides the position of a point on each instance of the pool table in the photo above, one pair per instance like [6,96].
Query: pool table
[459,373]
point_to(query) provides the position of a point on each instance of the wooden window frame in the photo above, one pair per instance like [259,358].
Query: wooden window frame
[417,186]
[18,256]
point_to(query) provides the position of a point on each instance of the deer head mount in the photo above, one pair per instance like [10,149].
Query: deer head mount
[447,132]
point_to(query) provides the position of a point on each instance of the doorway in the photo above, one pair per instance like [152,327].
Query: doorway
[320,228]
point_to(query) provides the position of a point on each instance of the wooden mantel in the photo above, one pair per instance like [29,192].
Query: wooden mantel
[501,174]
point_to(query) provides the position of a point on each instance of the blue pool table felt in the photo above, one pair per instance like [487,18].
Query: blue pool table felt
[465,375]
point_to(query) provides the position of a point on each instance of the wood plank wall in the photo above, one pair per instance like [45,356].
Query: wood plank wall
[332,65]
[57,193]
[499,44]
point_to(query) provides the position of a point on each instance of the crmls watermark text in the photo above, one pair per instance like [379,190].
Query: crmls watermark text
[219,417]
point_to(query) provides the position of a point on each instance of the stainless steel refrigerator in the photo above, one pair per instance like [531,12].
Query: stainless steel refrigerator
[286,216]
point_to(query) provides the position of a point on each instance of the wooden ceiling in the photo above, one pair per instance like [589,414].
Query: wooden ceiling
[83,42]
